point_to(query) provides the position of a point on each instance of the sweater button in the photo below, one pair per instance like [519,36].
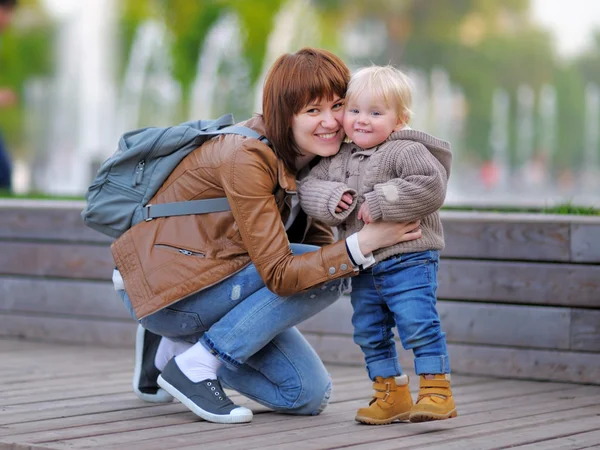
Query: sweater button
[331,270]
[344,267]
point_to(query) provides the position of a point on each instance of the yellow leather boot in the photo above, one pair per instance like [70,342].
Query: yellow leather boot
[435,401]
[391,401]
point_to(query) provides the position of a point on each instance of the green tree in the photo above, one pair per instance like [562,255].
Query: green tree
[25,52]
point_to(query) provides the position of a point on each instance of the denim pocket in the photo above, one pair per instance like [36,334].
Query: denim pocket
[413,259]
[172,323]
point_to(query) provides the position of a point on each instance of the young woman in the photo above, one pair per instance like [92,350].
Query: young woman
[225,290]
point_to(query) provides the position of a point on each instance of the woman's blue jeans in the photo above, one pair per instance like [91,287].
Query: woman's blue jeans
[401,292]
[252,330]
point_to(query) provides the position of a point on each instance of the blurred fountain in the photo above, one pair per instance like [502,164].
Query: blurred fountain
[222,82]
[80,98]
[590,180]
[420,106]
[525,135]
[542,170]
[442,104]
[500,169]
[149,94]
[296,25]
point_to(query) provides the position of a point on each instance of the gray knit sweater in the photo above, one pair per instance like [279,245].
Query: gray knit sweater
[403,179]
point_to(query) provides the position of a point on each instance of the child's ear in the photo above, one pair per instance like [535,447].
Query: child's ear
[402,121]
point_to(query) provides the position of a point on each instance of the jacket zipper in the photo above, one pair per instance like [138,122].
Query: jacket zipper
[183,251]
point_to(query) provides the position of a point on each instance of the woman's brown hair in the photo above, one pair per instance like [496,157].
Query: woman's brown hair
[293,81]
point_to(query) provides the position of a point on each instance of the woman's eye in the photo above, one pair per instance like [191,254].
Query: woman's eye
[338,105]
[312,111]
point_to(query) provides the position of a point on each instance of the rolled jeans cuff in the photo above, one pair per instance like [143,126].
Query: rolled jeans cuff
[432,365]
[384,368]
[227,360]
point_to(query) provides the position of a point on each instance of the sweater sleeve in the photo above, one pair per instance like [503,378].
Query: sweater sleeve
[419,190]
[319,197]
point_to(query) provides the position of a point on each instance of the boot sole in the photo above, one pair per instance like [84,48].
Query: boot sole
[430,416]
[371,421]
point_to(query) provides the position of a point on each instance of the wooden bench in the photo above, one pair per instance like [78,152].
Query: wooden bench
[519,294]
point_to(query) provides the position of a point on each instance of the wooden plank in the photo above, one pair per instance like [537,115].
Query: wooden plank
[473,323]
[82,261]
[588,439]
[507,240]
[585,239]
[65,297]
[46,220]
[348,433]
[492,435]
[91,420]
[556,427]
[569,366]
[145,438]
[518,282]
[585,330]
[506,325]
[186,434]
[69,330]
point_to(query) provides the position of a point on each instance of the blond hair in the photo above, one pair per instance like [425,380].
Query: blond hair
[385,83]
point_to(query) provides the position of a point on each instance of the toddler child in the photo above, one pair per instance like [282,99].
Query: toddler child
[388,171]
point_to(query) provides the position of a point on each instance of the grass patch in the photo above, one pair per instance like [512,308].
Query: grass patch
[37,196]
[564,209]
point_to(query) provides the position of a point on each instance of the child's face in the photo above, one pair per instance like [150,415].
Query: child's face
[368,121]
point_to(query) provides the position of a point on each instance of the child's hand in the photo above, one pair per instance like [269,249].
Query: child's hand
[344,203]
[364,214]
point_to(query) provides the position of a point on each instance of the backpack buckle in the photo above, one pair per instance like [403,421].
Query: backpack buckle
[146,213]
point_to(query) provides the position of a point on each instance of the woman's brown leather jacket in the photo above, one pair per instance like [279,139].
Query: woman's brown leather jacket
[164,260]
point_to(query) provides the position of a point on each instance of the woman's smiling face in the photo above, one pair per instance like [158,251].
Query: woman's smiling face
[317,128]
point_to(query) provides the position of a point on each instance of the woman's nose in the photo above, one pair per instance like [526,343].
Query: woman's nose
[328,120]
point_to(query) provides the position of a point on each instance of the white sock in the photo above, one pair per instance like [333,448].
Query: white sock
[198,364]
[168,349]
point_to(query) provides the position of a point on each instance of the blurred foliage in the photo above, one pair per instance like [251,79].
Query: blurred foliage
[482,44]
[25,52]
[190,21]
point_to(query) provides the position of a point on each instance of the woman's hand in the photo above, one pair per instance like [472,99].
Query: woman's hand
[380,234]
[344,203]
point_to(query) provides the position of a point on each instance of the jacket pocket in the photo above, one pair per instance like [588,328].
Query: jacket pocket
[183,251]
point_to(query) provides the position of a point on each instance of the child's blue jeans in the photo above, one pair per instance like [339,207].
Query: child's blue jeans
[399,291]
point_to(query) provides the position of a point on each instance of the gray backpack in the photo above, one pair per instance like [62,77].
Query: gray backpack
[117,198]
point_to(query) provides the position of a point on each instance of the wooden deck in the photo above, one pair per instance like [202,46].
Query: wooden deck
[71,397]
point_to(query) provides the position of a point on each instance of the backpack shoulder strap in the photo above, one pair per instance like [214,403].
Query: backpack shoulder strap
[244,131]
[184,208]
[200,206]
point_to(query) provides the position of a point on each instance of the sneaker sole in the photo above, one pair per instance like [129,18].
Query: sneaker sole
[371,421]
[161,395]
[429,416]
[208,416]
